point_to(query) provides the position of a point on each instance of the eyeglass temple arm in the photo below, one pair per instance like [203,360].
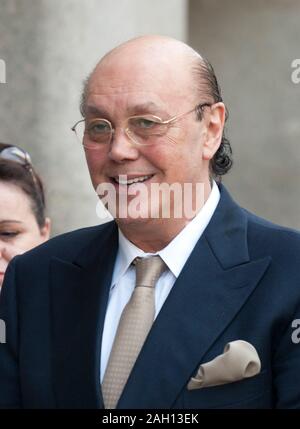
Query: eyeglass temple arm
[75,125]
[197,108]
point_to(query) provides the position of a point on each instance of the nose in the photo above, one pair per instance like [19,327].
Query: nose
[3,260]
[2,249]
[122,147]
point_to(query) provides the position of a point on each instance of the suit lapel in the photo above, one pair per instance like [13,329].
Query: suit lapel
[214,284]
[79,292]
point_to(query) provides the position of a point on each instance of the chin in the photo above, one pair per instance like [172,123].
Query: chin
[132,221]
[141,220]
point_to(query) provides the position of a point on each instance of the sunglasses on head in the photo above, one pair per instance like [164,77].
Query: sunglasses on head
[16,154]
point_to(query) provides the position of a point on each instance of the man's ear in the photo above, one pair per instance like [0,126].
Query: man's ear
[214,121]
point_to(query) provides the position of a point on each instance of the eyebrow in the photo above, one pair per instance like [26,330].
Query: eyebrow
[10,221]
[93,110]
[137,109]
[145,108]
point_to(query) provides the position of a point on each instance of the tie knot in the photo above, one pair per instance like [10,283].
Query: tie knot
[148,270]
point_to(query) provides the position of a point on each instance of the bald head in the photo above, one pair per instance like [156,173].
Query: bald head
[148,57]
[159,48]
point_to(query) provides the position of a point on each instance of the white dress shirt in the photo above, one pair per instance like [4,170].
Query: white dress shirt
[175,255]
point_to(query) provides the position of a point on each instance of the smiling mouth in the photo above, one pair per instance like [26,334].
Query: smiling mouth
[125,180]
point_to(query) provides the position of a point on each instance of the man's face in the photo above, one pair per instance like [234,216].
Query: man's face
[119,89]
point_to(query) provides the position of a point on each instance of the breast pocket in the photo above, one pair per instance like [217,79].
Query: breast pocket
[254,392]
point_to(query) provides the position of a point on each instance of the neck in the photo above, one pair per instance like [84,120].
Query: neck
[152,235]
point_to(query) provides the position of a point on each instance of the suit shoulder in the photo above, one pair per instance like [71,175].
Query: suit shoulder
[67,245]
[270,227]
[275,238]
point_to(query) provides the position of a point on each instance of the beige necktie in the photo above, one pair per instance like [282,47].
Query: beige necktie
[135,323]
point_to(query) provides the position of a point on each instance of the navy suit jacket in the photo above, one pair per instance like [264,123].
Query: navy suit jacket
[241,282]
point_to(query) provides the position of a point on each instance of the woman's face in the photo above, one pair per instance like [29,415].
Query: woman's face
[19,230]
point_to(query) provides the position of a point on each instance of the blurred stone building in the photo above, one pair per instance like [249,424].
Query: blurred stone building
[49,46]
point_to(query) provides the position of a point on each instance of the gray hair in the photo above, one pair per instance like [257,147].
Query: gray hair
[209,89]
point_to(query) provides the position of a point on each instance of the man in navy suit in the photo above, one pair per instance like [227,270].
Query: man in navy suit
[153,115]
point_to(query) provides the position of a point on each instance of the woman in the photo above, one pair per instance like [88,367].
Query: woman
[23,224]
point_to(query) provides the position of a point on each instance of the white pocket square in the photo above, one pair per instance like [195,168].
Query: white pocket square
[239,360]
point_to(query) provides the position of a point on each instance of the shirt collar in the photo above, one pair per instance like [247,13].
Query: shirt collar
[176,253]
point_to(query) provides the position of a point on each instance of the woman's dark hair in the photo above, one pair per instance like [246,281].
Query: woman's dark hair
[209,90]
[19,175]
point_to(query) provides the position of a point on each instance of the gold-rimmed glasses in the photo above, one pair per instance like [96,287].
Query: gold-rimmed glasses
[141,129]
